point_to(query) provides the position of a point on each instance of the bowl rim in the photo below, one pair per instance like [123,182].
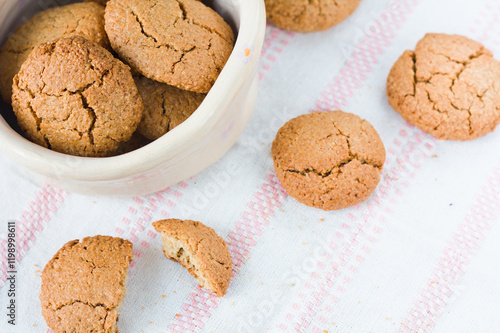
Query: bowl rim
[193,130]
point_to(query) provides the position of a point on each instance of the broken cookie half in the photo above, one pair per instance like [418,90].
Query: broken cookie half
[199,249]
[83,285]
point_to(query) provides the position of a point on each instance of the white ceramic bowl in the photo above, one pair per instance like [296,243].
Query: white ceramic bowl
[181,153]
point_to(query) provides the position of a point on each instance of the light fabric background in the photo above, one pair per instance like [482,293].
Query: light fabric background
[421,255]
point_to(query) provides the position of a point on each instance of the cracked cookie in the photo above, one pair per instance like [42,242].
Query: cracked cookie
[84,285]
[74,97]
[82,19]
[328,160]
[179,42]
[200,250]
[165,107]
[309,15]
[449,87]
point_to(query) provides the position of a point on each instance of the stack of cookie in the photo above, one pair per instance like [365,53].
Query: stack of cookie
[71,94]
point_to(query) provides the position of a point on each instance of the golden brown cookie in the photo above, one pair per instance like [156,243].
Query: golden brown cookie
[83,285]
[179,42]
[78,19]
[309,15]
[74,97]
[449,87]
[199,249]
[165,107]
[328,160]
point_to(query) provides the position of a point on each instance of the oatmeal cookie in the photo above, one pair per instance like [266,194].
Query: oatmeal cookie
[74,97]
[309,15]
[449,87]
[179,42]
[199,249]
[328,160]
[84,285]
[165,107]
[78,19]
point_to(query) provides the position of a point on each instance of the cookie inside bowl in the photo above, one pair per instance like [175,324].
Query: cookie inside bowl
[185,150]
[60,110]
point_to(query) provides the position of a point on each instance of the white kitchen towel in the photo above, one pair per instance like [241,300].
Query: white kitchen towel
[421,255]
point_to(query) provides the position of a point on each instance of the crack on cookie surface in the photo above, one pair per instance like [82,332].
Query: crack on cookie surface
[143,31]
[336,169]
[92,115]
[183,9]
[183,55]
[164,111]
[81,302]
[454,78]
[193,21]
[159,44]
[94,315]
